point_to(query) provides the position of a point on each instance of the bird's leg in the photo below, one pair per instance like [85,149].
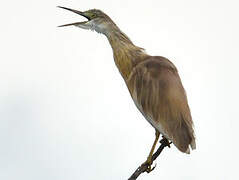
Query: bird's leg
[149,159]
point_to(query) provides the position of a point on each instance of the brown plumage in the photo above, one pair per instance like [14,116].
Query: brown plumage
[153,82]
[157,91]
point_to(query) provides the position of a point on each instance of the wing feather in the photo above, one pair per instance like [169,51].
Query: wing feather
[157,91]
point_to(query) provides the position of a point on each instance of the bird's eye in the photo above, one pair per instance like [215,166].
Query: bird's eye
[93,16]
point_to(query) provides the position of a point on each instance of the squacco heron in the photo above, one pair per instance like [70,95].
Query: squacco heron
[153,82]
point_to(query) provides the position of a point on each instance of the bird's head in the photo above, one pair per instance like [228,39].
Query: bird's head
[96,20]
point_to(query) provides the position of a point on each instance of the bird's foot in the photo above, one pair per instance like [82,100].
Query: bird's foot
[165,142]
[148,163]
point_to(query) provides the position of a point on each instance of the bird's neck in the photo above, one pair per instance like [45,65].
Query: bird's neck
[126,54]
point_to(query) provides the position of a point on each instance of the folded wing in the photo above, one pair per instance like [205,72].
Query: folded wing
[157,91]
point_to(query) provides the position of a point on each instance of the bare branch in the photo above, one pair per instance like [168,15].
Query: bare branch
[144,167]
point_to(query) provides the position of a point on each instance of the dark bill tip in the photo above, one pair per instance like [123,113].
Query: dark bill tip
[75,11]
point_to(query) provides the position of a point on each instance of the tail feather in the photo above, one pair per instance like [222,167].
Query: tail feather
[193,144]
[183,138]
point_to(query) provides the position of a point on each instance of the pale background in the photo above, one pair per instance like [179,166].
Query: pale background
[66,114]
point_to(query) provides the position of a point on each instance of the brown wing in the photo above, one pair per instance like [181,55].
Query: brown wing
[156,88]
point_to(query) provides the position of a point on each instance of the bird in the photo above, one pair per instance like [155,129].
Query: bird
[153,83]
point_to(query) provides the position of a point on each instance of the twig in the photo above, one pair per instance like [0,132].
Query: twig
[144,167]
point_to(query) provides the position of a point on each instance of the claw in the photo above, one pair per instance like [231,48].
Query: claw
[148,163]
[165,142]
[154,167]
[149,168]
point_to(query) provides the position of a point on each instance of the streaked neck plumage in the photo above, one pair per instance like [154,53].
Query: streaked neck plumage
[126,54]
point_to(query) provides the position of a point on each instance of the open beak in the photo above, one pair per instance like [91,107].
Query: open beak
[77,12]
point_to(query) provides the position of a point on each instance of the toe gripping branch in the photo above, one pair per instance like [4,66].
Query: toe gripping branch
[146,167]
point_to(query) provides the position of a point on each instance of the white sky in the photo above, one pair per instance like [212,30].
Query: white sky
[66,114]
